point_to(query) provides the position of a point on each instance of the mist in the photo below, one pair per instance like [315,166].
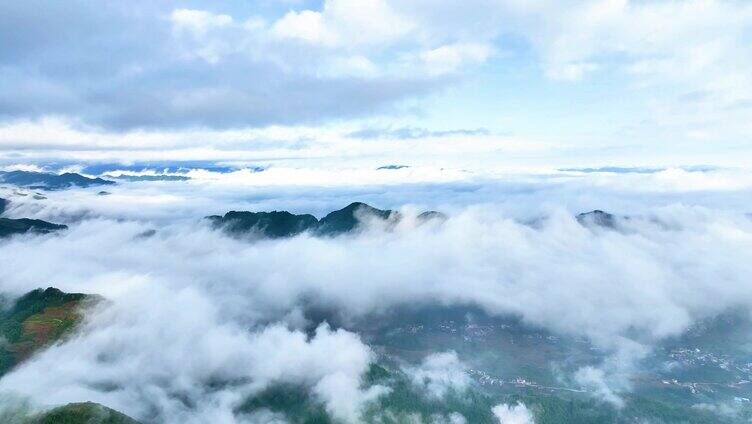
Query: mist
[190,306]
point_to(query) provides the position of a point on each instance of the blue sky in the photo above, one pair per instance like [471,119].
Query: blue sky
[542,82]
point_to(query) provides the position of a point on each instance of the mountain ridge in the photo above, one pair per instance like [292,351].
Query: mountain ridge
[280,224]
[50,181]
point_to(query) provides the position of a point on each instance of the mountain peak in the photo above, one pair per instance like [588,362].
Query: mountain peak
[275,224]
[348,218]
[597,217]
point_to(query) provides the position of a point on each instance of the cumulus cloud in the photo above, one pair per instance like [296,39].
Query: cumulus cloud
[449,58]
[199,67]
[345,24]
[439,373]
[515,414]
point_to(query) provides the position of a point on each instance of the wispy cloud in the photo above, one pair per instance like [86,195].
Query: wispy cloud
[413,133]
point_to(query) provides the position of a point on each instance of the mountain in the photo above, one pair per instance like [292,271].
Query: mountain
[36,320]
[391,167]
[9,227]
[512,362]
[597,218]
[82,413]
[347,219]
[274,224]
[49,181]
[430,215]
[279,224]
[39,319]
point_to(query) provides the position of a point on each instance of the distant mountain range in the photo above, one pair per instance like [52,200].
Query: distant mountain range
[282,224]
[279,224]
[50,181]
[391,167]
[9,227]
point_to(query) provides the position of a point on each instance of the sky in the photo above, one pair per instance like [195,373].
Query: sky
[479,84]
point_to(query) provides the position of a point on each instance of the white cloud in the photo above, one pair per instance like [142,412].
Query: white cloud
[198,22]
[449,58]
[571,71]
[343,398]
[306,25]
[672,47]
[195,28]
[516,414]
[690,33]
[596,382]
[154,352]
[209,67]
[56,139]
[624,290]
[439,373]
[343,23]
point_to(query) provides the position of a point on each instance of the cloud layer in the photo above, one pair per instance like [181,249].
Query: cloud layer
[233,306]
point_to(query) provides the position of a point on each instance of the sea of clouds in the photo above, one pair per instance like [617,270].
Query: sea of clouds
[188,305]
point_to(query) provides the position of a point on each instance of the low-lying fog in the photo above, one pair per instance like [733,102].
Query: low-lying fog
[190,305]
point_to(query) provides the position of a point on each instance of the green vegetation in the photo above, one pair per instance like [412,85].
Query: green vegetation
[9,227]
[294,401]
[279,224]
[82,413]
[405,402]
[347,219]
[274,224]
[36,320]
